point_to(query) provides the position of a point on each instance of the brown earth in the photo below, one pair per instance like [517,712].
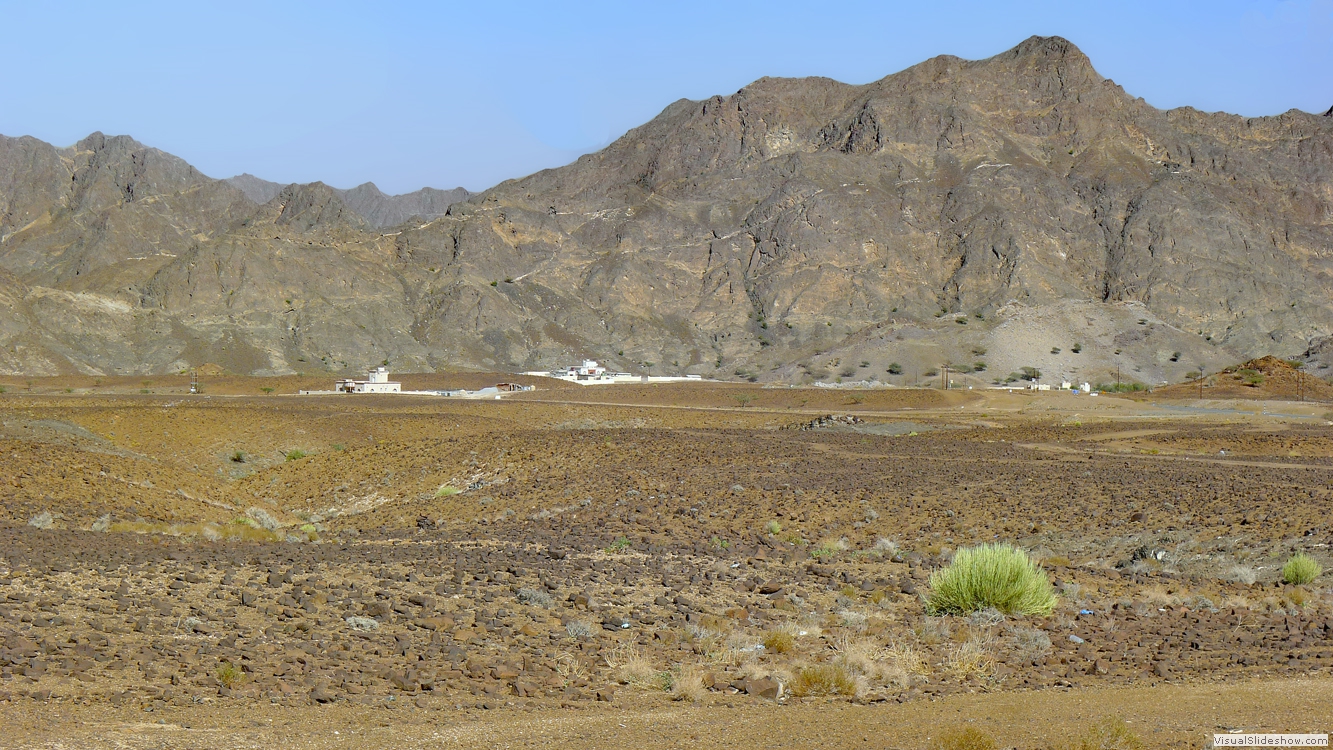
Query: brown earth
[542,569]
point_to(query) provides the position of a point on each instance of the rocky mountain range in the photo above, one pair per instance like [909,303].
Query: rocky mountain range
[1017,211]
[379,210]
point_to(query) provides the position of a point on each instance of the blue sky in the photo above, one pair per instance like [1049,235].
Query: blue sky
[407,94]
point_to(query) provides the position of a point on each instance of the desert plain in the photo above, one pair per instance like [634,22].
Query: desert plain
[668,565]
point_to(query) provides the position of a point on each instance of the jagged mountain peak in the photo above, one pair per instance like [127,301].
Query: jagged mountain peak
[313,205]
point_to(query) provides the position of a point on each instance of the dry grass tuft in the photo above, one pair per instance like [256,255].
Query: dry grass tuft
[968,738]
[825,679]
[632,668]
[1108,734]
[970,660]
[243,532]
[779,642]
[687,684]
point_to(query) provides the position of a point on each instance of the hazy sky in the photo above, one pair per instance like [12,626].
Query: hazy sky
[407,94]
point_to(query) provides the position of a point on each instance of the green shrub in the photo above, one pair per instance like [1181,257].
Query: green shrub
[446,491]
[229,675]
[1120,387]
[619,545]
[774,527]
[1251,378]
[991,575]
[1301,569]
[296,455]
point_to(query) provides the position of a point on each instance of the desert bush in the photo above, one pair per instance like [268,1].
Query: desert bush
[991,575]
[967,738]
[823,679]
[102,524]
[886,546]
[698,633]
[534,597]
[210,532]
[1130,387]
[43,520]
[1108,734]
[773,527]
[446,491]
[779,642]
[1031,643]
[579,630]
[829,548]
[985,618]
[1241,574]
[356,622]
[1300,569]
[1250,377]
[852,619]
[229,675]
[296,454]
[932,630]
[619,545]
[238,457]
[262,517]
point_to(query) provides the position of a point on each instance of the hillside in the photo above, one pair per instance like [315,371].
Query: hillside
[1014,211]
[1265,378]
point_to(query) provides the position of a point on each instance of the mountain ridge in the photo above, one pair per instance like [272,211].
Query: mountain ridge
[367,200]
[1021,206]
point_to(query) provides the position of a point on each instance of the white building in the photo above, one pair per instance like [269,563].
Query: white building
[592,373]
[377,381]
[589,369]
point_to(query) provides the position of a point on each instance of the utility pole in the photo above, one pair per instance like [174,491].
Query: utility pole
[944,376]
[1117,378]
[1200,382]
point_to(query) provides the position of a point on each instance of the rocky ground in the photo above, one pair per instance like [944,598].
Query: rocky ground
[636,551]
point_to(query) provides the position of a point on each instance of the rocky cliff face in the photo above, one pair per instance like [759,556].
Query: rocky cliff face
[1019,210]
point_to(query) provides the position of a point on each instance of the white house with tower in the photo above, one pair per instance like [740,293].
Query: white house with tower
[377,381]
